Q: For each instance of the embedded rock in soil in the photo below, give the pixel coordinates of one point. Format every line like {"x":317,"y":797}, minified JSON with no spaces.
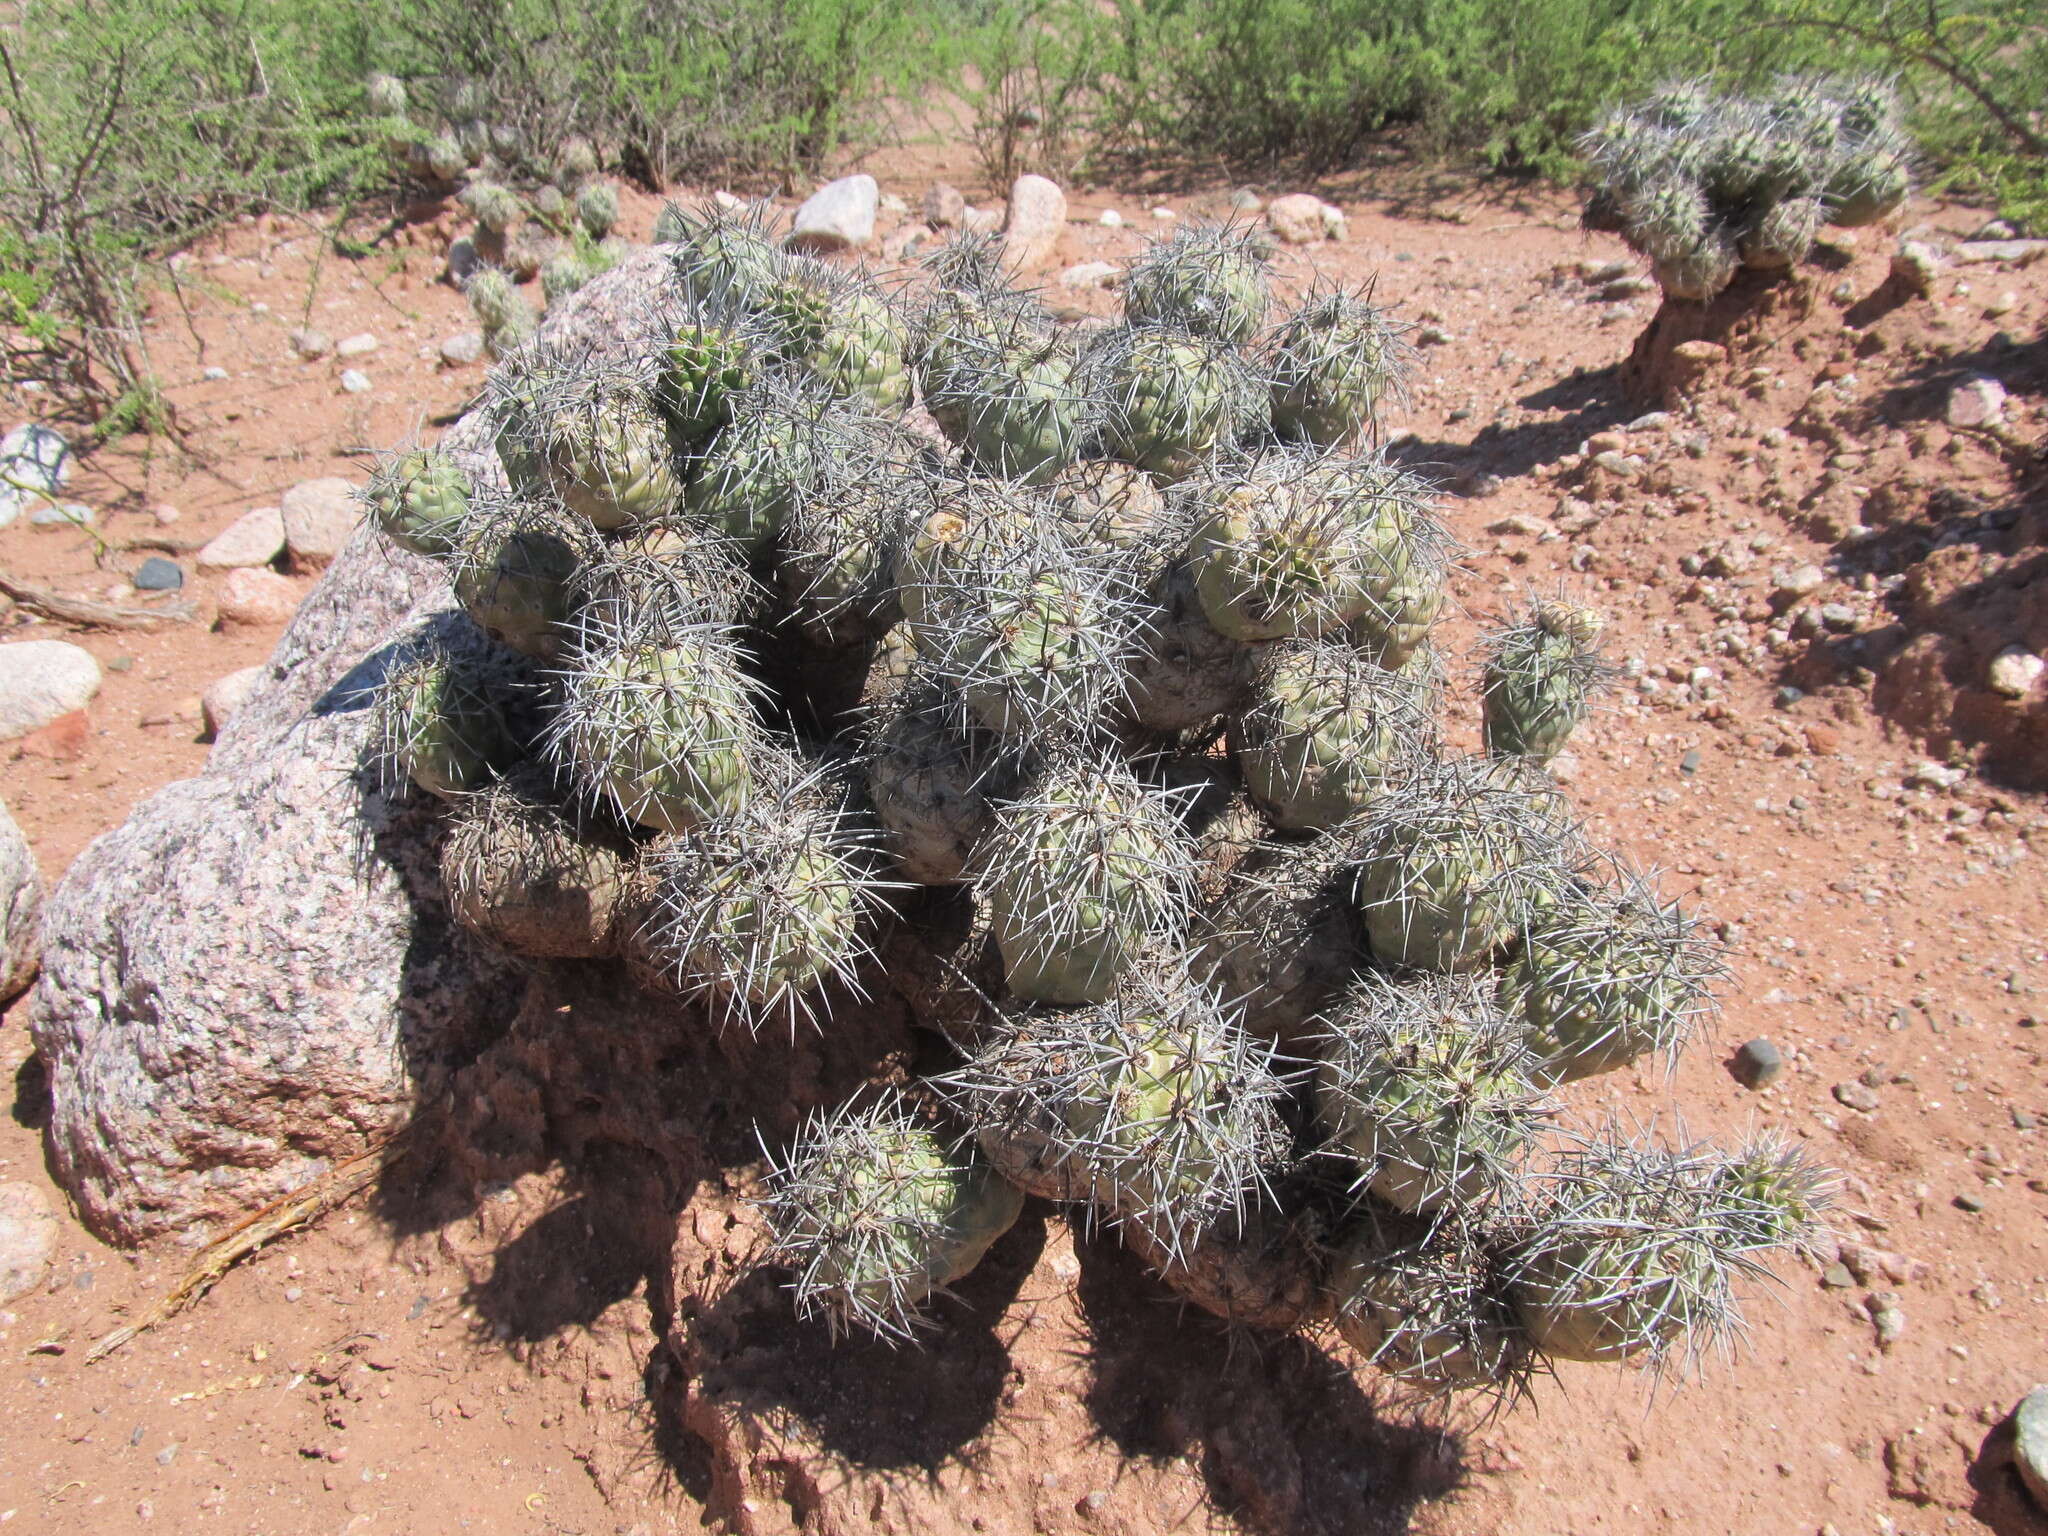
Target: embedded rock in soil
{"x":41,"y":681}
{"x":21,"y":907}
{"x":28,"y":1236}
{"x":1750,"y":314}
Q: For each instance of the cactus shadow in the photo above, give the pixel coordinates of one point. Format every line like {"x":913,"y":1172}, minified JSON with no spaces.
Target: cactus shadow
{"x":1576,"y":406}
{"x":886,"y":1410}
{"x":1284,"y":1436}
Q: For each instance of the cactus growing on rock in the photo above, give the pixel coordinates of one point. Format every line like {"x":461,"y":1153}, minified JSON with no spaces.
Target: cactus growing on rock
{"x":1132,"y":673}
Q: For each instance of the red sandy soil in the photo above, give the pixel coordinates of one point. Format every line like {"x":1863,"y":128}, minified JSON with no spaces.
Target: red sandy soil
{"x":1887,"y":927}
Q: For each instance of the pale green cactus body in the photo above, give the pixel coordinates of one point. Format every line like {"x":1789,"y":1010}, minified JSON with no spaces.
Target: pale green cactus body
{"x":751,"y":475}
{"x":1208,"y":281}
{"x":446,"y":717}
{"x":1333,"y":361}
{"x":1542,"y":675}
{"x":1167,"y":401}
{"x":612,"y":459}
{"x":661,"y":727}
{"x":1079,"y":874}
{"x":1329,"y":731}
{"x":876,"y":1211}
{"x":1428,"y":1086}
{"x":1607,"y":974}
{"x":513,"y":572}
{"x":420,"y":500}
{"x":532,"y":875}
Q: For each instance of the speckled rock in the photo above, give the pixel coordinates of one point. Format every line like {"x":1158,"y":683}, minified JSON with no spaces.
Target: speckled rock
{"x":21,"y":907}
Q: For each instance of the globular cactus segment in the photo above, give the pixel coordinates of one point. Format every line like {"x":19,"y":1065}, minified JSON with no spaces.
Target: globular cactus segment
{"x":722,"y":258}
{"x":561,"y":274}
{"x":419,"y":499}
{"x":711,"y":355}
{"x":1451,"y":865}
{"x":1429,"y":1087}
{"x":876,"y":1210}
{"x":1014,"y":404}
{"x":761,"y":910}
{"x":1152,"y":1105}
{"x":513,"y":570}
{"x":597,"y":209}
{"x":1633,"y":1250}
{"x":835,"y":559}
{"x":1081,"y":872}
{"x":1607,"y":974}
{"x":385,"y":95}
{"x":1422,"y":1301}
{"x":657,"y":722}
{"x":1332,"y":362}
{"x":1302,"y":545}
{"x":1769,"y":1194}
{"x":673,"y":577}
{"x":1167,"y":400}
{"x":608,"y":452}
{"x":936,"y":779}
{"x":1329,"y":732}
{"x":506,"y":318}
{"x":449,"y":714}
{"x":1541,"y":677}
{"x":532,"y":874}
{"x":1038,"y":643}
{"x":1209,"y":280}
{"x":494,"y":207}
{"x":840,"y":332}
{"x":751,"y":475}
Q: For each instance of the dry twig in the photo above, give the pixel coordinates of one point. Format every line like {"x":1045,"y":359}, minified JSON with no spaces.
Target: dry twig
{"x":80,"y":610}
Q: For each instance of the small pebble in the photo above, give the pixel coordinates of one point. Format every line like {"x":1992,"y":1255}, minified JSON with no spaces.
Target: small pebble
{"x":1856,"y":1096}
{"x":214,"y":374}
{"x":1690,"y":763}
{"x":1836,"y":1277}
{"x":1110,"y":219}
{"x":157,"y":574}
{"x":355,"y":382}
{"x":1968,"y":1202}
{"x":462,"y":349}
{"x":1758,"y":1064}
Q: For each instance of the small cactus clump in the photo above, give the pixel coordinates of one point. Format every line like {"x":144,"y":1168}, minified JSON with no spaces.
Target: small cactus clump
{"x":1541,"y":677}
{"x":1102,"y":730}
{"x":1704,"y":185}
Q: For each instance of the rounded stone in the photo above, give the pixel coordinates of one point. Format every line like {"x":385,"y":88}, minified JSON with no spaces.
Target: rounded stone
{"x":225,"y":696}
{"x":257,"y":597}
{"x":41,"y":680}
{"x":319,"y":516}
{"x":156,"y":574}
{"x":2030,"y":1443}
{"x":254,"y":538}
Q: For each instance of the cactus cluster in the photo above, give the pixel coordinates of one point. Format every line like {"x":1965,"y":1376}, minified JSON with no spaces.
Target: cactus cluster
{"x":1704,"y":184}
{"x":1093,"y":710}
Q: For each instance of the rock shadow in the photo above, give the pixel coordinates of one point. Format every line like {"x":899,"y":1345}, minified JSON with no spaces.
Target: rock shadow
{"x":1591,"y":400}
{"x":2002,"y":1503}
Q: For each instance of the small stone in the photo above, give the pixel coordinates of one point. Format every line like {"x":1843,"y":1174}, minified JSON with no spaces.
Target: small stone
{"x":1109,"y":218}
{"x":1433,"y":336}
{"x":156,"y":574}
{"x":1163,"y":213}
{"x":464,"y":260}
{"x":726,"y":202}
{"x":944,"y":206}
{"x":1297,"y":218}
{"x":1838,"y":616}
{"x":1836,"y":1277}
{"x":28,"y":1237}
{"x":2019,"y":253}
{"x":1966,"y":1201}
{"x":1928,"y":774}
{"x":1690,"y":762}
{"x":1090,"y":274}
{"x":318,"y":516}
{"x":42,"y":681}
{"x":225,"y":696}
{"x":1854,"y":1095}
{"x":2004,"y":304}
{"x":213,"y":374}
{"x":355,"y":382}
{"x":1598,"y":274}
{"x":2030,"y":1443}
{"x":463,"y":349}
{"x":1800,"y":581}
{"x":63,"y":514}
{"x":982,"y":221}
{"x":254,"y":538}
{"x":1996,"y":229}
{"x":1520,"y":523}
{"x":1758,"y":1064}
{"x":164,"y":514}
{"x":891,"y":203}
{"x":1886,"y":1316}
{"x":1915,"y":265}
{"x":1334,"y":225}
{"x":1978,"y":403}
{"x":1633,"y":286}
{"x":1823,"y":740}
{"x":1037,"y":215}
{"x":310,"y":344}
{"x":359,"y":345}
{"x":904,"y":240}
{"x":257,"y":597}
{"x":839,"y":216}
{"x":1244,"y":200}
